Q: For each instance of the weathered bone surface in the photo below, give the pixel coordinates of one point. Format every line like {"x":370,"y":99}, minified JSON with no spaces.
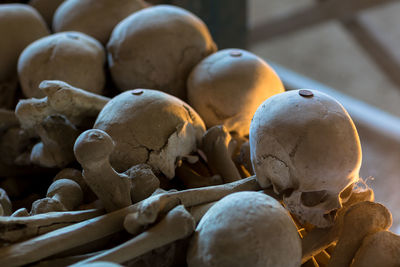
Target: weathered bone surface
{"x":22,"y":212}
{"x":245,"y":229}
{"x":73,"y":57}
{"x":227,"y":87}
{"x":16,"y":229}
{"x":177,"y":224}
{"x":305,"y":144}
{"x":137,"y":60}
{"x":20,"y":25}
{"x":57,"y":136}
{"x":62,"y":195}
{"x":143,"y":182}
{"x":244,"y":157}
{"x":92,"y":150}
{"x":76,"y":176}
{"x":360,"y":220}
{"x":5,"y":203}
{"x":192,"y":179}
{"x":76,"y":104}
{"x":319,"y":239}
{"x":218,"y":145}
{"x":379,"y":249}
{"x":94,"y":229}
{"x":150,"y":127}
{"x":96,"y":18}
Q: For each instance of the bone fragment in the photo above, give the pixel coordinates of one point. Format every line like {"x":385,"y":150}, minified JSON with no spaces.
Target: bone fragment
{"x":319,"y":239}
{"x":379,"y":249}
{"x":217,"y":144}
{"x":15,"y":229}
{"x":244,"y":157}
{"x":198,"y":211}
{"x":177,"y":224}
{"x":57,"y":136}
{"x":360,"y":220}
{"x":94,"y":229}
{"x":72,"y":101}
{"x":5,"y":203}
{"x":143,"y":182}
{"x":75,"y":104}
{"x":62,"y":195}
{"x":76,"y":176}
{"x":192,"y":179}
{"x":22,"y":212}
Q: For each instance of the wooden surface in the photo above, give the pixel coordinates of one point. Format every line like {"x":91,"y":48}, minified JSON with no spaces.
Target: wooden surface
{"x":380,"y":140}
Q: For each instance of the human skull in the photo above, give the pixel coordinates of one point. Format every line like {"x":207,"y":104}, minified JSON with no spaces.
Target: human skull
{"x":305,"y":144}
{"x":227,"y":87}
{"x":245,"y":229}
{"x":152,"y":127}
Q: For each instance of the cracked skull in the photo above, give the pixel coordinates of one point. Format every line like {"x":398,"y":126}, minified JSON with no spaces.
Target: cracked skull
{"x":305,"y":145}
{"x":152,"y":127}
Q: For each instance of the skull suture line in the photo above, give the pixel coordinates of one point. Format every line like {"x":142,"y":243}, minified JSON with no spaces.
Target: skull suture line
{"x":306,"y":146}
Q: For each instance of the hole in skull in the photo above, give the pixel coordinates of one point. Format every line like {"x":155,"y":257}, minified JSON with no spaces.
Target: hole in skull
{"x":311,"y":199}
{"x":287,"y":192}
{"x":330,"y":216}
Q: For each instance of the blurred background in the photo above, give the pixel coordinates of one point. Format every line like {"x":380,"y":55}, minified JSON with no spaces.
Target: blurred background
{"x":329,"y":52}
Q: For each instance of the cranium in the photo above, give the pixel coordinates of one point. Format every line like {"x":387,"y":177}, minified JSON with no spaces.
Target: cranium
{"x":305,"y":144}
{"x":152,"y":127}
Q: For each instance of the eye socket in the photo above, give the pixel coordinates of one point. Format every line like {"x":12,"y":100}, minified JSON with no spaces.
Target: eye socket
{"x":311,"y":199}
{"x":346,"y":193}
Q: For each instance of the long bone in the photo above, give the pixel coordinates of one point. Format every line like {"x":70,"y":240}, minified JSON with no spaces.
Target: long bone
{"x":216,"y":144}
{"x":360,"y":220}
{"x":92,"y":150}
{"x":15,"y":229}
{"x":379,"y":249}
{"x":62,"y":98}
{"x":57,"y":136}
{"x":82,"y":233}
{"x":177,"y":224}
{"x":319,"y":239}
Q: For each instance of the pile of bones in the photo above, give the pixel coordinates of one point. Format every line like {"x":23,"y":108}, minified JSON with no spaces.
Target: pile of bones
{"x":127,"y":138}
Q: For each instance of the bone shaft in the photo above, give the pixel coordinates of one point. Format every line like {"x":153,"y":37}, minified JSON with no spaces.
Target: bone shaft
{"x":198,"y":211}
{"x":63,"y":239}
{"x":316,"y":241}
{"x":344,"y":252}
{"x":197,"y":196}
{"x":224,"y":166}
{"x":114,"y":183}
{"x":174,"y":226}
{"x":39,"y":224}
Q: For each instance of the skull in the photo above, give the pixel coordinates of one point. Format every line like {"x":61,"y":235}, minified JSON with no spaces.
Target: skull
{"x":152,"y":127}
{"x":305,"y":145}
